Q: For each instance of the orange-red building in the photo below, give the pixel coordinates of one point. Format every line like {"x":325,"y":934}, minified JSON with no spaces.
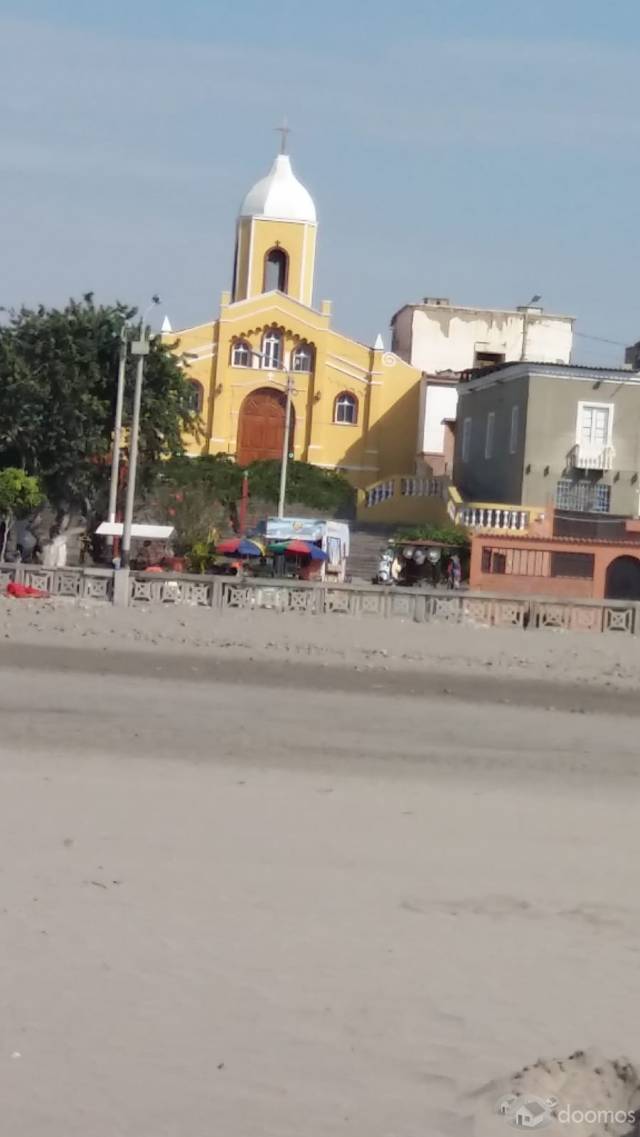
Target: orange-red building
{"x":548,"y":562}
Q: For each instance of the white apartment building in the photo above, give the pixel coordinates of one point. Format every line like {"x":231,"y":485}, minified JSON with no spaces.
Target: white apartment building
{"x":444,"y":339}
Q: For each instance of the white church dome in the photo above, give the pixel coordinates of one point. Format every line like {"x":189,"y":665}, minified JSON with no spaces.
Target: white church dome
{"x":280,"y":196}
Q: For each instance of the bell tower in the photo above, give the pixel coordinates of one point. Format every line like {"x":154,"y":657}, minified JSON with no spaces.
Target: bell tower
{"x":276,"y":235}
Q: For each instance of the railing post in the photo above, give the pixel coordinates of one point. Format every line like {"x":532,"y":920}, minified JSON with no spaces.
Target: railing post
{"x":121,"y":588}
{"x":420,"y":609}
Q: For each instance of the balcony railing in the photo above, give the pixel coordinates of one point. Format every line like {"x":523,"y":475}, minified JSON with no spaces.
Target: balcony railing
{"x":583,"y":457}
{"x":405,"y":487}
{"x":382,"y":491}
{"x":492,"y":518}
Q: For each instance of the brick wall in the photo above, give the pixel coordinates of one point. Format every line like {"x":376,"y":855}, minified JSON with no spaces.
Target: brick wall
{"x":507,"y":583}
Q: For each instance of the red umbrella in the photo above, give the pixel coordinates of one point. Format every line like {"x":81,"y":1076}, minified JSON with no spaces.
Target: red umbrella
{"x":241,"y":547}
{"x":302,"y":548}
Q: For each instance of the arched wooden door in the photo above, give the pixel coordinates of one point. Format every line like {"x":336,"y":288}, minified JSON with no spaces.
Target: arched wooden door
{"x":623,"y":579}
{"x":261,"y":426}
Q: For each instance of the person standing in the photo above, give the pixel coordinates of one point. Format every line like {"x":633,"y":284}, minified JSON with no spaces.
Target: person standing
{"x":456,"y":571}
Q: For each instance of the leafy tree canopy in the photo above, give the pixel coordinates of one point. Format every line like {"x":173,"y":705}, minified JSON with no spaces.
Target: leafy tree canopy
{"x":20,"y":493}
{"x":306,"y":484}
{"x":58,"y":371}
{"x":444,"y":534}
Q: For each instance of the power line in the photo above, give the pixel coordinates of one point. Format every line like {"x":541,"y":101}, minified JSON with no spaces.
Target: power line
{"x":600,"y":339}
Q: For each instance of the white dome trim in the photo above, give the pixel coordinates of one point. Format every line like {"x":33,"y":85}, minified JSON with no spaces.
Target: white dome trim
{"x":280,"y":196}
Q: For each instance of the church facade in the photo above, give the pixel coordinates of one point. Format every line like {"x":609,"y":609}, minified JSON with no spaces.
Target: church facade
{"x":354,"y":408}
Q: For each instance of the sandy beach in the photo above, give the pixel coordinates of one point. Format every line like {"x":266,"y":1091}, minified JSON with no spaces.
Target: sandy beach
{"x":266,"y":875}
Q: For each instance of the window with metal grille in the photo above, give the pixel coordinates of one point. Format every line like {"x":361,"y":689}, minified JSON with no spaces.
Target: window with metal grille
{"x":573,"y":564}
{"x":583,"y":495}
{"x":493,"y":560}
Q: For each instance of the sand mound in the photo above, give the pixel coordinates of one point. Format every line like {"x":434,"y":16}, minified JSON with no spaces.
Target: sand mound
{"x":584,"y":1095}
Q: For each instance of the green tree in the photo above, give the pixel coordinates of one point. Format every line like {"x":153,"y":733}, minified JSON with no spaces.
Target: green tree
{"x":57,"y":397}
{"x":430,"y":531}
{"x":210,"y":488}
{"x":306,"y":485}
{"x":196,"y":495}
{"x":19,"y":495}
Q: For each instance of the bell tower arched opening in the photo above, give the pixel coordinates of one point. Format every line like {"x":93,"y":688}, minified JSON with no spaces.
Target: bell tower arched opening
{"x":276,"y":271}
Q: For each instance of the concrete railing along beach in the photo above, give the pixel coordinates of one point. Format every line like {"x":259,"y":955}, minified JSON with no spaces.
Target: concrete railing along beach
{"x":417,"y":605}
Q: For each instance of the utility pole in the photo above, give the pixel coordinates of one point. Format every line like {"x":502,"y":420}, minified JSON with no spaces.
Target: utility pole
{"x":285,"y":445}
{"x":141,"y":349}
{"x":117,"y":430}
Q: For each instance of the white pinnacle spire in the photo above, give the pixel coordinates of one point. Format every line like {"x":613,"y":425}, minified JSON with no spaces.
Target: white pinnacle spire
{"x":166,"y":325}
{"x":379,"y":344}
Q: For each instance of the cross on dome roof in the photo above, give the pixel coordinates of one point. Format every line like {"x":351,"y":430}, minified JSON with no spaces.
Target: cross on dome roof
{"x":285,"y":131}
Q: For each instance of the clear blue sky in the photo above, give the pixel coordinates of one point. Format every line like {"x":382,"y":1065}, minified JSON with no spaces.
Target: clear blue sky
{"x":481,"y":151}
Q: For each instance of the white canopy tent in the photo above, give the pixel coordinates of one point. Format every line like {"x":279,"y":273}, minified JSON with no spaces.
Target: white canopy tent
{"x":147,"y":532}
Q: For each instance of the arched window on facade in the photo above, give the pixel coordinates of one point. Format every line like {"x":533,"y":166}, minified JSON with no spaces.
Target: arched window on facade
{"x":303,"y":358}
{"x":345,"y":409}
{"x":241,"y":354}
{"x":276,"y":271}
{"x":272,"y":349}
{"x":196,"y":396}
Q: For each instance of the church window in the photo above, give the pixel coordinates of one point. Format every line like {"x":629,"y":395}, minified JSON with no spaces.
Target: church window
{"x":303,"y":358}
{"x":276,"y":271}
{"x":241,"y":354}
{"x":346,"y":409}
{"x":196,"y":396}
{"x":272,"y":349}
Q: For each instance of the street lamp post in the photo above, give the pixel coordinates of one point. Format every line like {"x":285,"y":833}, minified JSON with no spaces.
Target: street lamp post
{"x":285,"y":443}
{"x":140,"y":348}
{"x":117,"y":429}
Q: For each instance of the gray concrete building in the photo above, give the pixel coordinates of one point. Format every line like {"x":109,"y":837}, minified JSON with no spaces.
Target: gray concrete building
{"x":533,"y":433}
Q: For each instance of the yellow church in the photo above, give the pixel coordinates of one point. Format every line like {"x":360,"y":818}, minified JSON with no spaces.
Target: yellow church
{"x":354,"y":407}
